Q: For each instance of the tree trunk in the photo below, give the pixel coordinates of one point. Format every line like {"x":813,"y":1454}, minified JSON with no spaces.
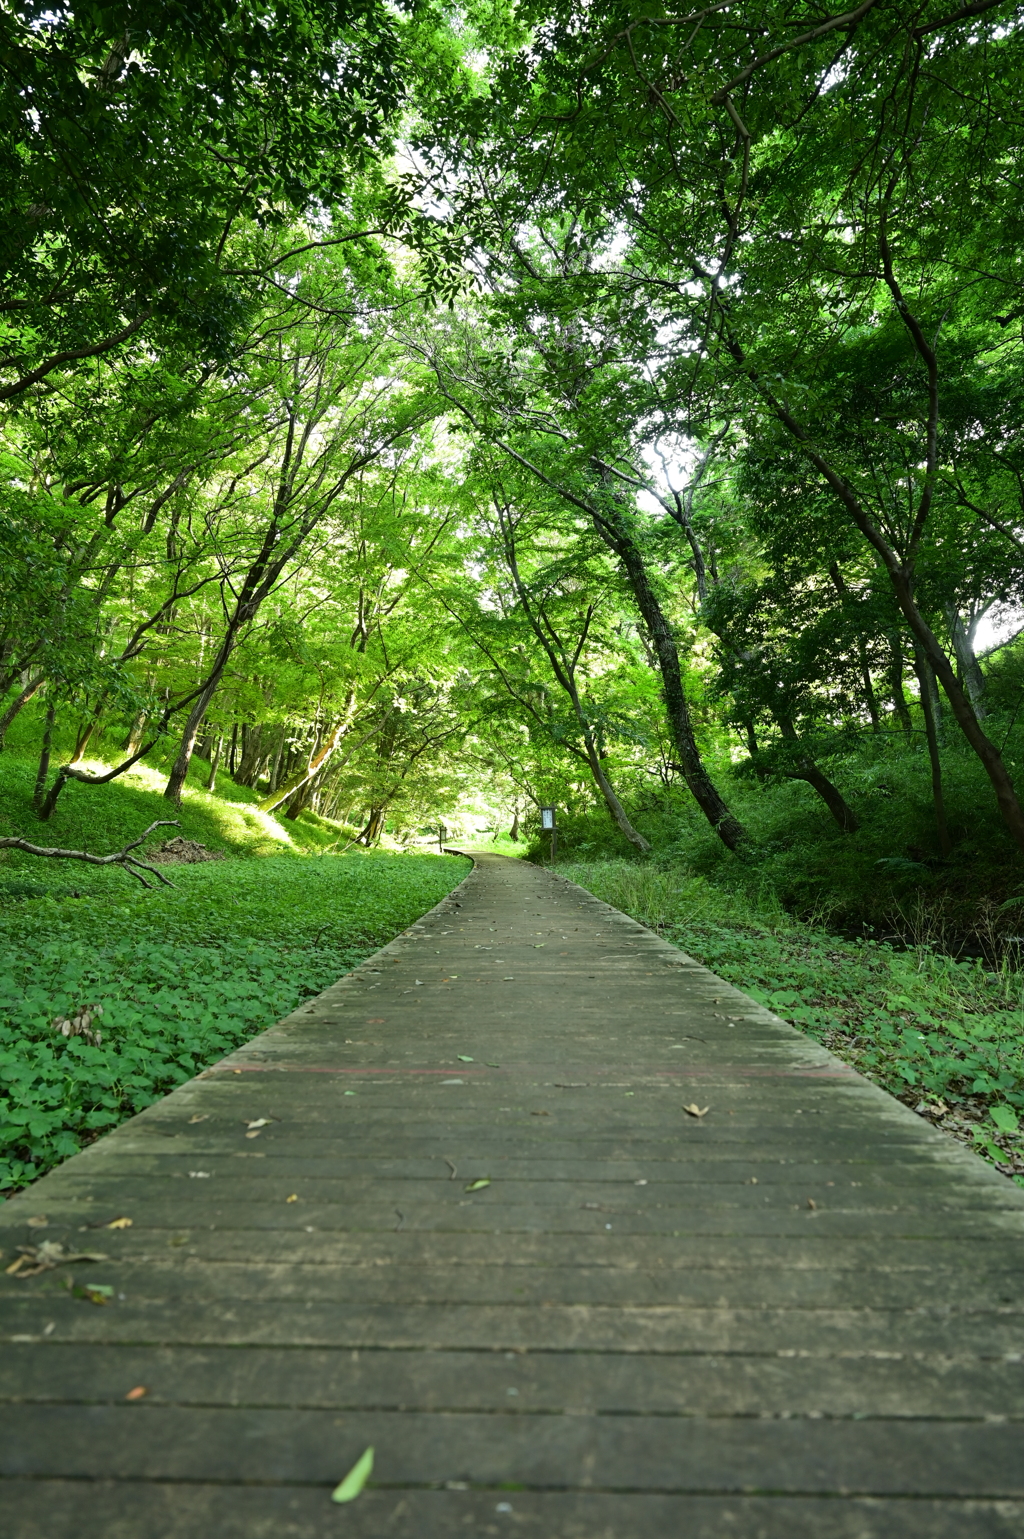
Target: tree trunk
{"x":806,"y":770}
{"x":211,"y":782}
{"x":925,"y":679}
{"x":612,"y":529}
{"x":234,"y":745}
{"x":970,"y":669}
{"x":513,"y":832}
{"x":374,"y":827}
{"x":135,"y":731}
{"x":83,"y":738}
{"x":251,"y":737}
{"x":42,"y":773}
{"x":179,"y":769}
{"x":275,"y":768}
{"x":899,"y":699}
{"x":615,"y":807}
{"x":754,"y":752}
{"x":30,"y":689}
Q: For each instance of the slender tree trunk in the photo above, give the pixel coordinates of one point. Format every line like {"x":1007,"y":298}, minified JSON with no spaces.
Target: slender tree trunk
{"x":42,"y":773}
{"x":926,"y":678}
{"x":30,"y":689}
{"x":251,"y":738}
{"x":869,"y":688}
{"x":234,"y":745}
{"x":617,"y":537}
{"x":970,"y":668}
{"x":179,"y":769}
{"x":754,"y":752}
{"x":84,"y":736}
{"x":211,"y":782}
{"x":134,"y":738}
{"x":513,"y":832}
{"x":275,"y":768}
{"x":806,"y":770}
{"x":374,"y":828}
{"x":899,"y":699}
{"x":611,"y":801}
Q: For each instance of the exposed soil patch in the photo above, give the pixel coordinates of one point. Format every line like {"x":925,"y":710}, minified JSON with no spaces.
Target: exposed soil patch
{"x":179,"y":851}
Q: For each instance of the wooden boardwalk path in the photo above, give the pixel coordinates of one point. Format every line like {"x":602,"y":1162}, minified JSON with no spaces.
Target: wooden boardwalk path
{"x":797,"y":1315}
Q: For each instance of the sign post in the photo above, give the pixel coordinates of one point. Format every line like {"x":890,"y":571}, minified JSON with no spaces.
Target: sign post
{"x":547,"y":820}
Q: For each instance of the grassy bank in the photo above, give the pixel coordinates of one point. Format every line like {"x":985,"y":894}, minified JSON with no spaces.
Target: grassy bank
{"x":945,"y":1036}
{"x":181,"y":975}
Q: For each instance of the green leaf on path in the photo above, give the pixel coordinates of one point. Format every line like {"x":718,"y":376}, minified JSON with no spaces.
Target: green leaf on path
{"x":355,"y":1480}
{"x":476,"y":1186}
{"x":463,"y":1059}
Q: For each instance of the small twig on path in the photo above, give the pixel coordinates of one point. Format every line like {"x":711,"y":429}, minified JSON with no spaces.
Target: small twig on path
{"x":451,"y":1167}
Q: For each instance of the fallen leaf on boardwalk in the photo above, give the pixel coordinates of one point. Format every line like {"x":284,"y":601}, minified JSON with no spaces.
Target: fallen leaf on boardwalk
{"x":261,"y":1122}
{"x":200,"y":1117}
{"x":463,"y":1059}
{"x":96,"y":1293}
{"x":540,"y":1114}
{"x":811,"y":1202}
{"x":494,"y":1065}
{"x":119,"y":1223}
{"x":43,"y":1258}
{"x":137,"y":1393}
{"x":293,"y":1198}
{"x":355,"y":1480}
{"x":695,"y":1110}
{"x":476,"y":1186}
{"x":254,"y":1134}
{"x":39,"y":1221}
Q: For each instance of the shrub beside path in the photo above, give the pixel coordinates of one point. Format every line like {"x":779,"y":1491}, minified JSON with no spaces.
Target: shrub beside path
{"x":584,"y":1243}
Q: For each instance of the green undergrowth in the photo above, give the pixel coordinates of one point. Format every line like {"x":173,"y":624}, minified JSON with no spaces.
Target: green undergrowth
{"x":106,"y":818}
{"x":945,"y":1036}
{"x":182,"y":977}
{"x":888,"y":878}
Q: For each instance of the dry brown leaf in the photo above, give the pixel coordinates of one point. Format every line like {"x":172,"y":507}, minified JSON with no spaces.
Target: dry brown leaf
{"x":45,"y":1257}
{"x":137,"y":1393}
{"x":695,"y":1110}
{"x":200,"y":1117}
{"x":38,"y":1221}
{"x":811,"y":1202}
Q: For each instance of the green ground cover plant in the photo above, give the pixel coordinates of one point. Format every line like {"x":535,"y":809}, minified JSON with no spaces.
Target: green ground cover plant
{"x":945,"y":1036}
{"x":182,"y":976}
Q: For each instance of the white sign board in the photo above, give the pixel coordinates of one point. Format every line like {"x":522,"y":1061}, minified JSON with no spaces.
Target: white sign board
{"x":547,"y":817}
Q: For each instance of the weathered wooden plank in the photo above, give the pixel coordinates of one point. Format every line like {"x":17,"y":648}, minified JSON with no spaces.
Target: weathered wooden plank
{"x":98,"y":1510}
{"x":691,"y":1455}
{"x":510,"y":1327}
{"x":642,"y":1383}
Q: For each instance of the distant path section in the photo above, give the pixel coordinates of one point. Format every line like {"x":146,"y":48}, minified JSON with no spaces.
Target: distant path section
{"x":585,"y":1244}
